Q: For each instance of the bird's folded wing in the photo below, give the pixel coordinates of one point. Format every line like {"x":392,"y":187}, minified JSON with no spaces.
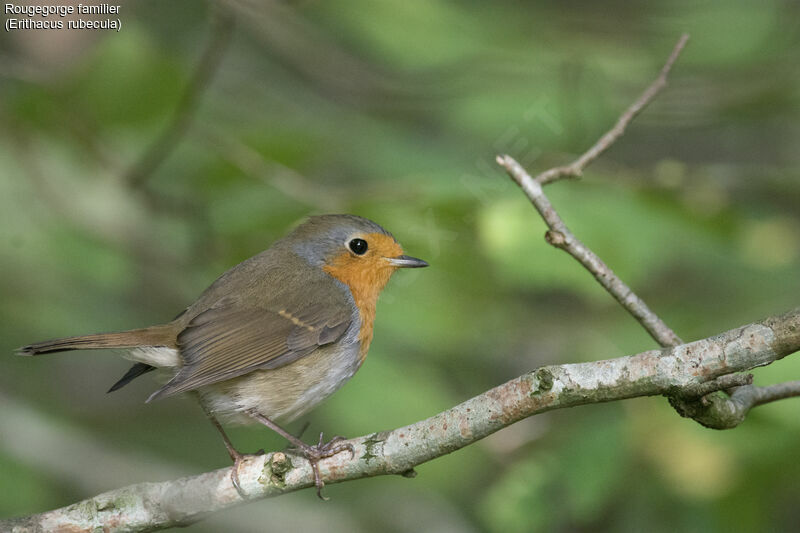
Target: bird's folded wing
{"x":229,"y":341}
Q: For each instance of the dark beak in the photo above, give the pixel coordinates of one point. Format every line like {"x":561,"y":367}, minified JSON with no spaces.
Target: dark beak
{"x":406,"y":261}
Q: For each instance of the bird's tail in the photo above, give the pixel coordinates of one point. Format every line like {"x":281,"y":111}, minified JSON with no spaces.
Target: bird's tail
{"x":152,"y":336}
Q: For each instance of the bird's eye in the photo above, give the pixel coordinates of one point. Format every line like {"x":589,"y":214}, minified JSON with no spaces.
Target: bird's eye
{"x":358,"y":246}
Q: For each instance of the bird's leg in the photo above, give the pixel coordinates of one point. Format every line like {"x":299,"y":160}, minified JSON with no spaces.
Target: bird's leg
{"x":312,"y":453}
{"x":236,"y":456}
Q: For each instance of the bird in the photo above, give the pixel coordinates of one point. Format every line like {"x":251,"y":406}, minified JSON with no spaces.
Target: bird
{"x":273,"y":336}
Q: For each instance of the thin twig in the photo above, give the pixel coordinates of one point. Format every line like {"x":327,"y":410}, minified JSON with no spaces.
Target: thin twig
{"x":561,"y":237}
{"x":719,"y":412}
{"x":152,"y":506}
{"x":711,"y":410}
{"x":221,"y":31}
{"x":576,"y":168}
{"x":721,"y":383}
{"x":771,"y":393}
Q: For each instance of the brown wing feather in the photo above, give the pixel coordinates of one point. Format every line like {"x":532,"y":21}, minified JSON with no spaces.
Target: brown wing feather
{"x":225,"y":342}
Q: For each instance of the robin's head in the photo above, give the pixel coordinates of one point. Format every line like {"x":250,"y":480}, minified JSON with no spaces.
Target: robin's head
{"x":352,"y":249}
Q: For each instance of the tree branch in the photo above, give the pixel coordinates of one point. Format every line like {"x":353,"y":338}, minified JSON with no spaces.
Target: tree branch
{"x":575,"y":169}
{"x":699,"y":403}
{"x":561,"y":237}
{"x":153,"y":506}
{"x":716,"y":411}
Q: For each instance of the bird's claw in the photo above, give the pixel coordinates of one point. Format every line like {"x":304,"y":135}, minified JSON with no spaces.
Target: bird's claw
{"x":237,"y":462}
{"x":235,"y":476}
{"x":333,"y":446}
{"x":322,"y":450}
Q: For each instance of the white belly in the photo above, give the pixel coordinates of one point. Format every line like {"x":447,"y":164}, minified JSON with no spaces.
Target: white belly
{"x":285,"y":393}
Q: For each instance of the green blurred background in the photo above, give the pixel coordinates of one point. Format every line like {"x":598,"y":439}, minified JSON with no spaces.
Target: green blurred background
{"x":395,"y":110}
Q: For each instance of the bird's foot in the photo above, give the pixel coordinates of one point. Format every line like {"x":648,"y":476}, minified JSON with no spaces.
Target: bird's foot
{"x":237,"y":462}
{"x":322,"y":450}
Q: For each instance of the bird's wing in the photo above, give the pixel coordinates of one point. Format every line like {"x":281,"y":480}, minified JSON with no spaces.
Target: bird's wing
{"x":227,"y":341}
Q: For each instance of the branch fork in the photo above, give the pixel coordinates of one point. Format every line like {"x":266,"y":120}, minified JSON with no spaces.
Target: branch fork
{"x":699,"y":402}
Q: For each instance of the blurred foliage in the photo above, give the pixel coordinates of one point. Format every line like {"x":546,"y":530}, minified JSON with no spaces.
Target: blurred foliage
{"x":395,"y":111}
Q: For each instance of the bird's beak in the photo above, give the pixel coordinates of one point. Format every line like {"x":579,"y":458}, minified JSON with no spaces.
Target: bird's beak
{"x":406,"y":261}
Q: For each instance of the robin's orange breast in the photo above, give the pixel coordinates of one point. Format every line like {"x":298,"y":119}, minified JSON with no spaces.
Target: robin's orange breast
{"x":366,"y":277}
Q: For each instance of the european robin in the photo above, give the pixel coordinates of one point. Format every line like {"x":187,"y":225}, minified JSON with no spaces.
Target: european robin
{"x":273,"y":336}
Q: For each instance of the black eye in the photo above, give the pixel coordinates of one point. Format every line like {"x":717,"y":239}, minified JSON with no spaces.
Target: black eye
{"x":359,"y":246}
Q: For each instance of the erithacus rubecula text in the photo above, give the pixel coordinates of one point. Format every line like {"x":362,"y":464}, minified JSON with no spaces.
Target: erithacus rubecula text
{"x":273,"y":336}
